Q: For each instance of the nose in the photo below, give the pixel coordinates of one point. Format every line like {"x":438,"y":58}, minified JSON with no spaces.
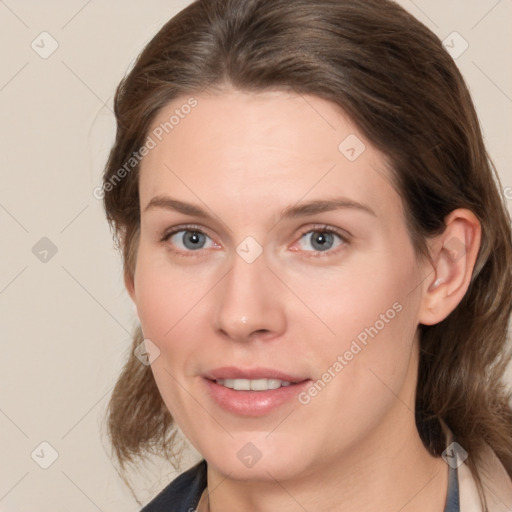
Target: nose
{"x":249,"y":302}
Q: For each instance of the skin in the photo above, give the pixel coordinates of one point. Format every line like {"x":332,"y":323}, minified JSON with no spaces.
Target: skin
{"x":245,"y":158}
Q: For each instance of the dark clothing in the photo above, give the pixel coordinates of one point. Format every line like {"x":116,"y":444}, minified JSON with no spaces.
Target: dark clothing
{"x":184,"y":492}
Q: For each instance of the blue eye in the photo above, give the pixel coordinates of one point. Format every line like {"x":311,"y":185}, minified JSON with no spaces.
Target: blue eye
{"x":321,"y":240}
{"x":190,"y":240}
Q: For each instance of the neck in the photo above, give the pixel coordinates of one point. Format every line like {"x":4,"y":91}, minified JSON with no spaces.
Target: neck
{"x":398,"y":475}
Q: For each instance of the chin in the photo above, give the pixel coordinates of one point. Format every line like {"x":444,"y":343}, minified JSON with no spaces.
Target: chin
{"x":255,"y":456}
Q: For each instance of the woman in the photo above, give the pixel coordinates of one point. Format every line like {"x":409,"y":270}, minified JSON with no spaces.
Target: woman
{"x":320,"y":258}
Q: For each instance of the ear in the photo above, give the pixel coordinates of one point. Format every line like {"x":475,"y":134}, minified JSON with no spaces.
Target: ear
{"x":453,"y":254}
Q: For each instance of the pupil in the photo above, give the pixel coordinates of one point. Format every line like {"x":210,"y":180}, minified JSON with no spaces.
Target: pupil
{"x":193,"y":240}
{"x":322,"y":241}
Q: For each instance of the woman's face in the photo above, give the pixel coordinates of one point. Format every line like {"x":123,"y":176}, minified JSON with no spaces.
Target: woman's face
{"x":273,"y":246}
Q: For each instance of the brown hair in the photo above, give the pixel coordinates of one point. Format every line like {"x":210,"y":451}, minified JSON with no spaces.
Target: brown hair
{"x":395,"y":80}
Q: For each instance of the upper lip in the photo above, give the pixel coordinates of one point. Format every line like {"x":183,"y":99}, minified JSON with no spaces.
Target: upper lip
{"x":232,"y":372}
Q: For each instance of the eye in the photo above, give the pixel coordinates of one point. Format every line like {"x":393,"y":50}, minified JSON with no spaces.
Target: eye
{"x":189,"y":239}
{"x":322,"y":239}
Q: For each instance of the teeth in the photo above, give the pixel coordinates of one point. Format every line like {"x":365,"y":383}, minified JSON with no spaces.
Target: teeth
{"x":252,"y":384}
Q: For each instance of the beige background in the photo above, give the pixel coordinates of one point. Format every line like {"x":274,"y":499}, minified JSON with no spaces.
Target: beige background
{"x":66,"y":322}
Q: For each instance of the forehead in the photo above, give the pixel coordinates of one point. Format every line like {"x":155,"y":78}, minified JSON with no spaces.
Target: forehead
{"x":275,"y":145}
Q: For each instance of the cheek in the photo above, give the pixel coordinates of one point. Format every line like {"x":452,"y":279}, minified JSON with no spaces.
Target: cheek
{"x":167,"y":300}
{"x":365,"y":366}
{"x":366,"y":296}
{"x":166,"y":295}
{"x":378,"y":355}
{"x":155,"y":306}
{"x":372,"y":315}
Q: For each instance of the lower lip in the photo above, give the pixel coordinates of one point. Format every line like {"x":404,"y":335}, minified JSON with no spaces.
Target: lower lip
{"x":253,"y":403}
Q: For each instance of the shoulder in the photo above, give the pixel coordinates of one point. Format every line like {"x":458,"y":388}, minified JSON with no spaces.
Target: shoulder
{"x":496,"y":483}
{"x":182,"y":494}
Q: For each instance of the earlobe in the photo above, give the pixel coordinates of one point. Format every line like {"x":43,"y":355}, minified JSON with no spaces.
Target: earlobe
{"x":453,"y":256}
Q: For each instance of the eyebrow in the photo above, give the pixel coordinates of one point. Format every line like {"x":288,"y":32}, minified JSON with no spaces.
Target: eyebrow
{"x":294,"y":211}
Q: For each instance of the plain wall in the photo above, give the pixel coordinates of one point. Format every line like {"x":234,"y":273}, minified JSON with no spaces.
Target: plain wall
{"x":66,"y":321}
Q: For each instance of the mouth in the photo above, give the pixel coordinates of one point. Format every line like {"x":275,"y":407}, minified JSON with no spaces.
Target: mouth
{"x":252,"y":392}
{"x":253,"y":384}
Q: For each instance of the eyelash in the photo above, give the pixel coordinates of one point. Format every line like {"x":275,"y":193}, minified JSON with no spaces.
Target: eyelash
{"x":177,"y":229}
{"x":322,"y":228}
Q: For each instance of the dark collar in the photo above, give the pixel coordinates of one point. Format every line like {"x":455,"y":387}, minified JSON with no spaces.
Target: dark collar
{"x":452,"y":498}
{"x":184,"y":492}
